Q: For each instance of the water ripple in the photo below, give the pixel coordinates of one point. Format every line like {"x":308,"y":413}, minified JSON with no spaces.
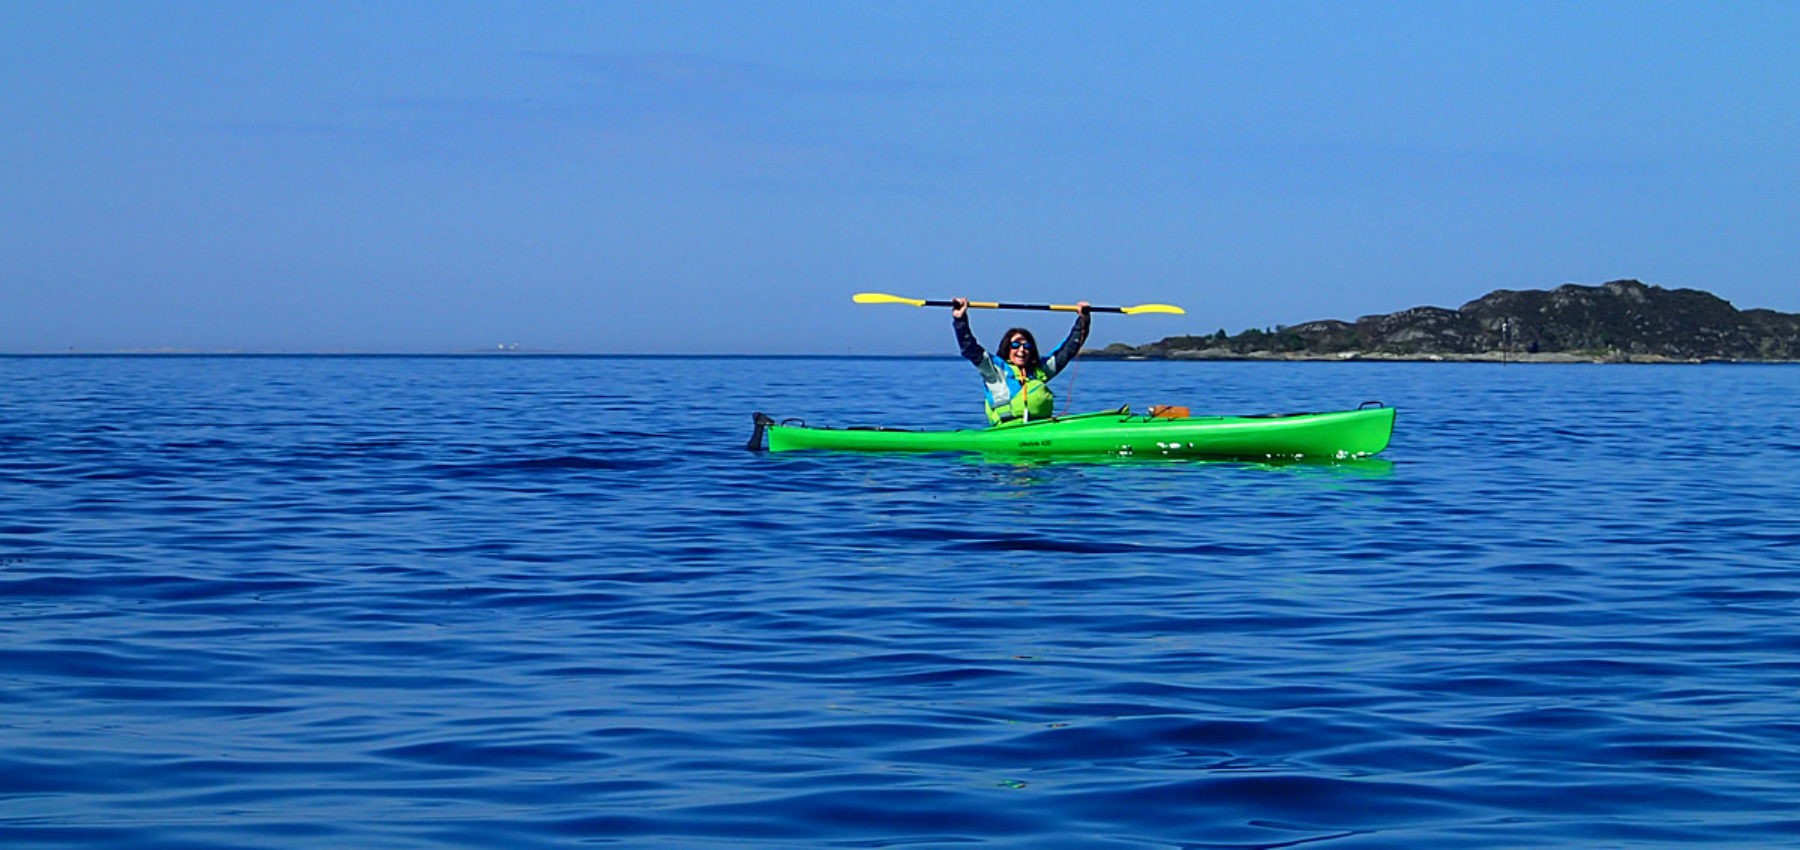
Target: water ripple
{"x":326,"y":602}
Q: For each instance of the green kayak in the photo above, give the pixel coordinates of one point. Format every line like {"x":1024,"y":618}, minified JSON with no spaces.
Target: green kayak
{"x":1343,"y":434}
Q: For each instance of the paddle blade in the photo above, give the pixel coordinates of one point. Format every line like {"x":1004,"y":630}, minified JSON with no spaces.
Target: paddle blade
{"x":882,"y":298}
{"x":1153,"y":308}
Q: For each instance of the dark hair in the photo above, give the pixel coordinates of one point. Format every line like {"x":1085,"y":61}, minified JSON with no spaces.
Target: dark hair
{"x":1031,"y":362}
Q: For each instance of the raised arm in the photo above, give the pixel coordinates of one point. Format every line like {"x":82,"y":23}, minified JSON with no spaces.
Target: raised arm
{"x":1071,"y":346}
{"x":965,"y":338}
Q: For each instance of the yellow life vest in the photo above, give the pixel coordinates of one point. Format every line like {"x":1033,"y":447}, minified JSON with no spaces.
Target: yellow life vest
{"x":1030,"y":397}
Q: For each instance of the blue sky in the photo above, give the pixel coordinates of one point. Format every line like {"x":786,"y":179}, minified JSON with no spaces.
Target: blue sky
{"x":721,"y":177}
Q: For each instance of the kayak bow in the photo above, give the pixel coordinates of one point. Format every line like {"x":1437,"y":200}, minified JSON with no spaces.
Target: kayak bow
{"x":1337,"y":435}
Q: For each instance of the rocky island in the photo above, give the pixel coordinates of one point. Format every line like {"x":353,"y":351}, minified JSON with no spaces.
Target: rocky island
{"x":1624,"y":321}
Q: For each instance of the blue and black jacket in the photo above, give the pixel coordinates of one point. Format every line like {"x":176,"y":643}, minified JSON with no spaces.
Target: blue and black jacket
{"x":1013,"y":393}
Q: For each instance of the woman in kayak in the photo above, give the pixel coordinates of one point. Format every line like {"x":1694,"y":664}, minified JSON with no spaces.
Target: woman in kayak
{"x":1017,"y":379}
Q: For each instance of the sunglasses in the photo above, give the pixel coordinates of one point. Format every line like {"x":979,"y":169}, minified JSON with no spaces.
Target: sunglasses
{"x":1019,"y":343}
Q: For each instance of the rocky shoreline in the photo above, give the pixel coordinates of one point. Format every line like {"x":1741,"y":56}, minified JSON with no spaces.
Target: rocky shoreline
{"x":1390,"y":357}
{"x":1623,"y":321}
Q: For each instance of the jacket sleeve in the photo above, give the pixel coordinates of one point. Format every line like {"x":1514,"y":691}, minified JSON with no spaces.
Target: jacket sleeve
{"x":965,"y":340}
{"x":1070,"y":348}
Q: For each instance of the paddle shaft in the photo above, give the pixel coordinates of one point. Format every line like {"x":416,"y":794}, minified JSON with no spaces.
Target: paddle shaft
{"x":884,"y":298}
{"x":1002,"y":305}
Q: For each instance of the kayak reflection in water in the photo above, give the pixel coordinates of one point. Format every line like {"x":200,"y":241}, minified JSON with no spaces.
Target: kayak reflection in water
{"x":1017,"y":379}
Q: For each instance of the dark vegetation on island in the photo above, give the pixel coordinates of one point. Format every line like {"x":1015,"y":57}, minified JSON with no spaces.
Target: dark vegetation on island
{"x":1621,"y":321}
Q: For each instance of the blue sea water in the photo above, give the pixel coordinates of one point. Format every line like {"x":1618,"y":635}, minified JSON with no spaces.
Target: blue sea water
{"x":552,"y":602}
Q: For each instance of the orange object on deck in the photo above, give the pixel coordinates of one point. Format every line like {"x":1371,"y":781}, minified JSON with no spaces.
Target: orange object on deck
{"x":1168,"y":411}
